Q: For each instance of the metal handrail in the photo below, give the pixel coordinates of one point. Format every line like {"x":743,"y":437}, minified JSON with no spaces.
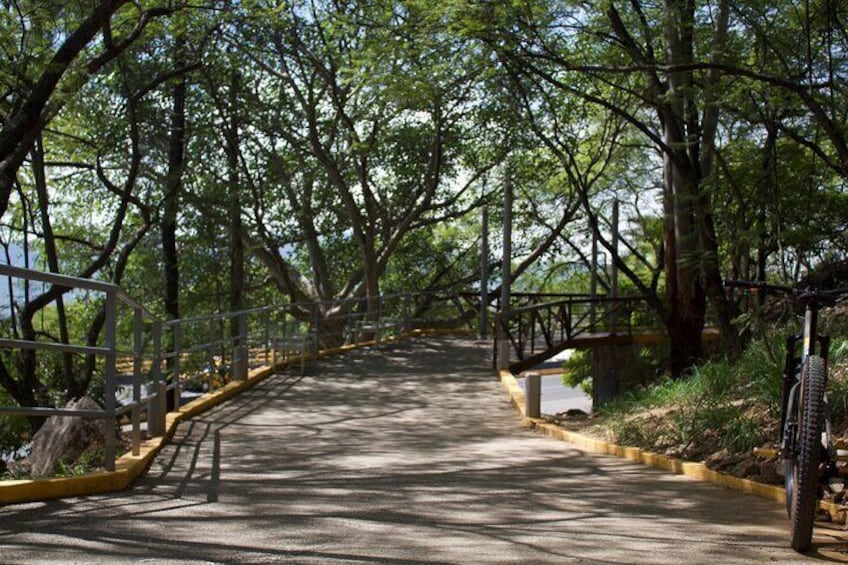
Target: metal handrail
{"x":6,"y":343}
{"x":220,"y":316}
{"x":154,"y":403}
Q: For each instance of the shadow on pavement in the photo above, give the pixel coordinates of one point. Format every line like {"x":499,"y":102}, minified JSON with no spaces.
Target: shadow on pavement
{"x":407,"y":453}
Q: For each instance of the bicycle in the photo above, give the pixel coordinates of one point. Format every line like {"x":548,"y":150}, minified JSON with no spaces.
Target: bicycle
{"x":806,"y":442}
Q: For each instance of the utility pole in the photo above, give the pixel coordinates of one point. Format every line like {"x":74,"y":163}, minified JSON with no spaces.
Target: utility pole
{"x":615,"y":238}
{"x":593,"y":283}
{"x":484,"y":273}
{"x":506,"y":271}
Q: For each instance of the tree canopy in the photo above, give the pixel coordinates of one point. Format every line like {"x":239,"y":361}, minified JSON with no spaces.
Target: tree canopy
{"x":217,"y":154}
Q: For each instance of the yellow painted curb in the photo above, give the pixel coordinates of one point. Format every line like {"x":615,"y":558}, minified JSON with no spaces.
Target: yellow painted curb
{"x":697,"y":471}
{"x":128,"y":467}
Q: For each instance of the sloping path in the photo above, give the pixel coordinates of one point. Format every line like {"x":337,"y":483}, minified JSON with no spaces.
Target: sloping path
{"x":409,"y":453}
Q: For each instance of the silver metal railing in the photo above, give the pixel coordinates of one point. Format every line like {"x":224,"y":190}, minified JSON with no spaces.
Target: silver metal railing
{"x":163,"y":358}
{"x":109,"y":351}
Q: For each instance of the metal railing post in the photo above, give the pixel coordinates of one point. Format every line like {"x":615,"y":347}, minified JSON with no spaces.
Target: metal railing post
{"x":244,"y":339}
{"x":157,"y":409}
{"x":266,"y":337}
{"x":210,"y":353}
{"x":174,"y":381}
{"x":156,"y":403}
{"x":110,"y":343}
{"x":138,"y":352}
{"x":316,"y":324}
{"x":240,"y":361}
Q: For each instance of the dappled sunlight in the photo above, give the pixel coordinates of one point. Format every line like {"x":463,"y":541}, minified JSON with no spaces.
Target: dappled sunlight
{"x":405,"y":453}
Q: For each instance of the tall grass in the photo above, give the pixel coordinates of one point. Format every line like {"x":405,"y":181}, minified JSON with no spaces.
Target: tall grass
{"x":718,"y":405}
{"x":838,"y":382}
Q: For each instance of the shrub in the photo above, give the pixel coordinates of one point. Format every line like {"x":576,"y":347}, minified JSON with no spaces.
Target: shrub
{"x":577,"y":370}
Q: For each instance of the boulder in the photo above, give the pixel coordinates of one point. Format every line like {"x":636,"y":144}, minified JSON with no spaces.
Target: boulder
{"x":64,"y":438}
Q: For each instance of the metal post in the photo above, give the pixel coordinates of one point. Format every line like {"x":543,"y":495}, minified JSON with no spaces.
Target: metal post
{"x":593,"y":284}
{"x":614,"y":268}
{"x":240,"y":361}
{"x":244,"y":341}
{"x":484,"y":273}
{"x":211,"y":338}
{"x":157,"y":409}
{"x":138,"y":342}
{"x":156,"y":405}
{"x":266,"y":322}
{"x":533,"y":395}
{"x":615,"y":238}
{"x":173,"y":395}
{"x":110,"y":374}
{"x":317,"y":314}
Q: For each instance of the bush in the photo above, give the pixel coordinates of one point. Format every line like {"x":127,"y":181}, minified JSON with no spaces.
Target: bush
{"x":718,"y":404}
{"x":577,"y":370}
{"x":14,"y":430}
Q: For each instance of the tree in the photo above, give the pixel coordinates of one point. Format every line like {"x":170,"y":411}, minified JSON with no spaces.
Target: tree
{"x":88,"y":169}
{"x":361,"y":136}
{"x":23,"y":382}
{"x":43,"y":61}
{"x":624,"y":61}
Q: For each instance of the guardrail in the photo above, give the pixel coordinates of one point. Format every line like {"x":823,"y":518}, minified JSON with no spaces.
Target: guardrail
{"x":114,"y":296}
{"x":545,"y":328}
{"x":165,"y":358}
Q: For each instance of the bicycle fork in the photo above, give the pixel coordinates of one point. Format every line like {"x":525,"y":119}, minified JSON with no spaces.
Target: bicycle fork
{"x":788,"y":409}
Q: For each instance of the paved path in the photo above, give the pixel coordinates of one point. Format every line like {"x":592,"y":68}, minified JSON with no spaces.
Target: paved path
{"x":405,"y":454}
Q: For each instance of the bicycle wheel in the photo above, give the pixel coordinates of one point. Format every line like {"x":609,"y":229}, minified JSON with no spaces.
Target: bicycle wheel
{"x":805,"y":463}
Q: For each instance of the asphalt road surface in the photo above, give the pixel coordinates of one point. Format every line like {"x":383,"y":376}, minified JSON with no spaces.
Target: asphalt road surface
{"x":409,"y":453}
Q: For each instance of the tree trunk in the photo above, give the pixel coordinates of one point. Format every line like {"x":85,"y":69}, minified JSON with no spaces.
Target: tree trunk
{"x":686,"y":298}
{"x":171,"y":205}
{"x":71,"y":390}
{"x":237,"y":274}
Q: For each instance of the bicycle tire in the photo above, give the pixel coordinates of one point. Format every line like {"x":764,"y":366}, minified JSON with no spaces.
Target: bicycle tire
{"x":805,"y":464}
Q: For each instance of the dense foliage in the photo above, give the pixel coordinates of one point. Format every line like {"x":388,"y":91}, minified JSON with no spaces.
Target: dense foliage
{"x":219,"y":154}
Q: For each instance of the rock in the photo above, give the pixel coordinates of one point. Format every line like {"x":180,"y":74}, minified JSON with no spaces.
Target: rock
{"x":690,"y":453}
{"x":749,"y":468}
{"x":717,"y":459}
{"x":771,"y":472}
{"x":64,"y":438}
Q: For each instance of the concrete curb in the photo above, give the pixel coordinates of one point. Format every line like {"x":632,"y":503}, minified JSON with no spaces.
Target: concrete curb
{"x":128,"y":467}
{"x":697,"y":471}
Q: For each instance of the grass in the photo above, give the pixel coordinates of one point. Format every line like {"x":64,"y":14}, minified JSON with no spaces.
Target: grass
{"x":718,"y":406}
